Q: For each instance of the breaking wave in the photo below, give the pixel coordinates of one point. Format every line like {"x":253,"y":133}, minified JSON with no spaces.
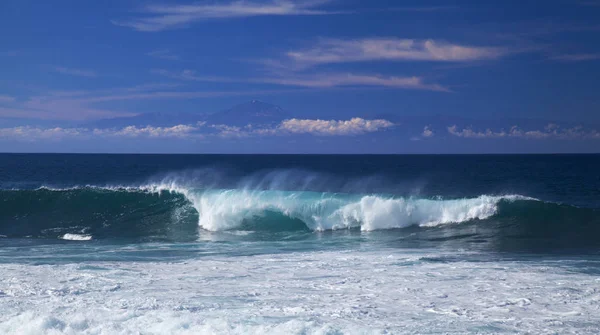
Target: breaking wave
{"x":169,"y":211}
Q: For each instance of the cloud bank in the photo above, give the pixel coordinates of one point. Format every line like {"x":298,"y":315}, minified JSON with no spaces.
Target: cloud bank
{"x":354,"y":126}
{"x":551,"y":131}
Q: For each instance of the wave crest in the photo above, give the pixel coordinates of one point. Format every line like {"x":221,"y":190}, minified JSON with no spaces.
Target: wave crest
{"x":169,"y":210}
{"x":229,"y":209}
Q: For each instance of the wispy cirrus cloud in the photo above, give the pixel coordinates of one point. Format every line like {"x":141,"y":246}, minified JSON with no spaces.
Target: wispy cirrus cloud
{"x":75,"y":72}
{"x":165,"y":54}
{"x":576,"y":57}
{"x":318,"y":80}
{"x":419,"y":9}
{"x":162,"y":17}
{"x":79,"y":105}
{"x":349,"y":79}
{"x":589,"y":3}
{"x":551,"y":131}
{"x":6,"y":98}
{"x":331,"y":51}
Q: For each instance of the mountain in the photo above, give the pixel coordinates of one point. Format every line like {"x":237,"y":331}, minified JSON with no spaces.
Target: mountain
{"x":148,"y":119}
{"x":252,"y":112}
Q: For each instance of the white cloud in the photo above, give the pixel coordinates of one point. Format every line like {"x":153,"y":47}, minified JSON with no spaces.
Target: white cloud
{"x":6,"y":98}
{"x":354,"y":126}
{"x":37,"y":133}
{"x":75,"y":72}
{"x":329,"y":51}
{"x":227,"y":131}
{"x":349,"y":79}
{"x":27,"y":133}
{"x":163,"y":17}
{"x":163,"y":54}
{"x":550,"y":131}
{"x":427,"y":132}
{"x":470,"y":133}
{"x":149,"y":131}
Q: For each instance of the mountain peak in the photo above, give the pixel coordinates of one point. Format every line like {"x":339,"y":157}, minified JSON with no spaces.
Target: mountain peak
{"x":254,"y":111}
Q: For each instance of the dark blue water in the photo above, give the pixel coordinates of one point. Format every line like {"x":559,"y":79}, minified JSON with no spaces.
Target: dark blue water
{"x":572,"y":179}
{"x":205,"y":204}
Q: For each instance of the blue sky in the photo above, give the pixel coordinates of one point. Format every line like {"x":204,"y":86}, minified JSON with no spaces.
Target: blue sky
{"x":467,"y":75}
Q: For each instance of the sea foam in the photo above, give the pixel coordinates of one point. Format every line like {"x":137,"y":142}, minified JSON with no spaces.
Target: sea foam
{"x":228,"y":209}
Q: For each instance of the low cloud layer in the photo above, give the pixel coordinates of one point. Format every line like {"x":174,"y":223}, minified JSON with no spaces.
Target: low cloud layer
{"x":27,"y":133}
{"x":354,"y":126}
{"x":180,"y":131}
{"x":330,"y":51}
{"x":550,"y":131}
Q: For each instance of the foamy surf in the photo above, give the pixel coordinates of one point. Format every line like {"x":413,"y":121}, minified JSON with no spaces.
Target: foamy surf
{"x":229,"y":209}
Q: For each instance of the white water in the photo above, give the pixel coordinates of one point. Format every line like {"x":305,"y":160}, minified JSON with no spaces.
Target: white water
{"x":333,"y":292}
{"x":227,"y":209}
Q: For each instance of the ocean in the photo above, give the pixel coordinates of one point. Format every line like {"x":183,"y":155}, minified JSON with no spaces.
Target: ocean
{"x":299,"y":244}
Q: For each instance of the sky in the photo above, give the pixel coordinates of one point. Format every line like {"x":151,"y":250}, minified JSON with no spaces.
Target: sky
{"x":353,"y":76}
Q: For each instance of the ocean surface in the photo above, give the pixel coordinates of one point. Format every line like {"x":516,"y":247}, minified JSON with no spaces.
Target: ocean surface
{"x":299,"y":244}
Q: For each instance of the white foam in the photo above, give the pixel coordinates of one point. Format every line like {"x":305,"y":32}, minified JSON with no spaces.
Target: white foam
{"x":325,"y":292}
{"x":227,"y":209}
{"x":76,"y":237}
{"x":375,"y":213}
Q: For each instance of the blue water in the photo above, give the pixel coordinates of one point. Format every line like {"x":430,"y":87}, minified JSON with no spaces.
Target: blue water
{"x":475,"y":218}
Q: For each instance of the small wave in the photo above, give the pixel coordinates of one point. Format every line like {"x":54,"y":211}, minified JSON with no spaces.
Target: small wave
{"x":76,"y":237}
